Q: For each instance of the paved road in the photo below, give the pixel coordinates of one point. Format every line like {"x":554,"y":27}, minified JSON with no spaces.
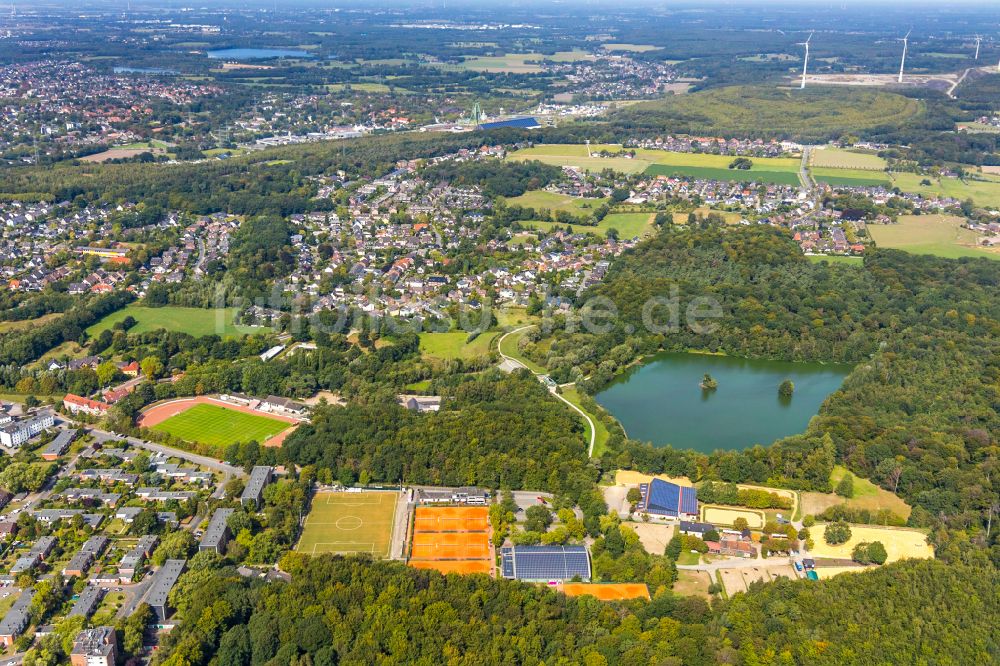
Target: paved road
{"x":545,"y":379}
{"x":133,"y":596}
{"x":804,"y":178}
{"x":205,"y":461}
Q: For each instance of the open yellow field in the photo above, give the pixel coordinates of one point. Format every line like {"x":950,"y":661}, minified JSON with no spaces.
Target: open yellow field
{"x":693,"y":584}
{"x":899,"y":543}
{"x":719,"y":515}
{"x":739,"y":579}
{"x":627,"y":477}
{"x":830,"y":572}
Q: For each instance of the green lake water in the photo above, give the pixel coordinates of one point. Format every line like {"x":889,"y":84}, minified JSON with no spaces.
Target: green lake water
{"x":661,"y":401}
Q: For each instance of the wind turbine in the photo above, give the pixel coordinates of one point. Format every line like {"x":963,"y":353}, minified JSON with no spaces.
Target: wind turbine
{"x":902,"y":62}
{"x":805,"y":63}
{"x":978,"y":40}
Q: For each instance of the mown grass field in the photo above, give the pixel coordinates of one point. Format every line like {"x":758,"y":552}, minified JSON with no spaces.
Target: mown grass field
{"x":217,"y":426}
{"x":940,"y":235}
{"x":454,"y":345}
{"x":983,"y":192}
{"x":838,"y":158}
{"x":629,"y":225}
{"x":866,"y":496}
{"x":349,"y":523}
{"x":850,"y":177}
{"x":539,"y":199}
{"x":194,"y":321}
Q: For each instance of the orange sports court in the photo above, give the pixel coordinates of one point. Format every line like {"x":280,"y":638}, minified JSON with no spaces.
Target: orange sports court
{"x":451,"y":539}
{"x":607,"y":591}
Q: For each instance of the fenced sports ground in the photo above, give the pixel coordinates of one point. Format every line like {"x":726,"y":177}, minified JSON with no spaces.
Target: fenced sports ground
{"x":348,"y":523}
{"x":451,"y":539}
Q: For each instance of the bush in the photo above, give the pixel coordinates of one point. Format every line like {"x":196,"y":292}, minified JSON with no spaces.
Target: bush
{"x":837,"y":533}
{"x":870,"y":553}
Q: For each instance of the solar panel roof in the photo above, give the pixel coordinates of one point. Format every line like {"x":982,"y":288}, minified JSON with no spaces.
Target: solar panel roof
{"x":545,"y":562}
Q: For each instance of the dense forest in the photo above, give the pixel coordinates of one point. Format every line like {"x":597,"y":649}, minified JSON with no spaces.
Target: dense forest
{"x":354,"y":611}
{"x":496,"y":430}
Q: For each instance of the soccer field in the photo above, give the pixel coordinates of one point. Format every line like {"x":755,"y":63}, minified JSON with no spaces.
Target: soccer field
{"x":346,"y":523}
{"x":218,"y":426}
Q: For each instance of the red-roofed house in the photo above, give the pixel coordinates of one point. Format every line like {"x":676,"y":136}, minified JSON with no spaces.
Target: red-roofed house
{"x":77,"y":404}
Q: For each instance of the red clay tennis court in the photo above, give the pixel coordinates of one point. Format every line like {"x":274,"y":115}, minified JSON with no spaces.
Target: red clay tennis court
{"x":451,"y":519}
{"x":456,"y":566}
{"x":451,"y":539}
{"x":607,"y":591}
{"x":450,"y":546}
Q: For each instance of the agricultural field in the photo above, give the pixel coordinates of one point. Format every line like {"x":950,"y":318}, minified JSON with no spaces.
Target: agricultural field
{"x":838,"y":158}
{"x":662,"y":162}
{"x":850,"y":177}
{"x":866,"y":496}
{"x":781,"y":170}
{"x":350,"y":523}
{"x":220,"y":426}
{"x":553,"y":201}
{"x":985,"y":192}
{"x":632,"y":48}
{"x":940,"y":235}
{"x":518,"y":63}
{"x":899,"y":542}
{"x":194,"y":321}
{"x":726,"y":515}
{"x":454,"y":345}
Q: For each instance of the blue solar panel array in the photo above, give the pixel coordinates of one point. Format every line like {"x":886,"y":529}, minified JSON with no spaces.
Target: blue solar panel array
{"x":668,"y":499}
{"x":545,"y":562}
{"x":519,"y":123}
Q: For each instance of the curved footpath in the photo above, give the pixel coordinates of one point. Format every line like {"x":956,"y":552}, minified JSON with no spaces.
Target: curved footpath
{"x":553,"y":389}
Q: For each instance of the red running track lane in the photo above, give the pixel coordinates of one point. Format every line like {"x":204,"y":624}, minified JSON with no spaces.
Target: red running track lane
{"x":157,"y":414}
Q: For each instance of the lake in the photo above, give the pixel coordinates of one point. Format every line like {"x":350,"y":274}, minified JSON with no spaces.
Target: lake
{"x":661,"y":401}
{"x":256,"y":54}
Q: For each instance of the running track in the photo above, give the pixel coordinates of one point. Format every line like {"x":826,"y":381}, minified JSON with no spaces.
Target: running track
{"x":159,"y":413}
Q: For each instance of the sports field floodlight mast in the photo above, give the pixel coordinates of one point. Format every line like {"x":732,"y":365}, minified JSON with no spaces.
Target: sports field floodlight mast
{"x":902,"y":62}
{"x":805,"y":63}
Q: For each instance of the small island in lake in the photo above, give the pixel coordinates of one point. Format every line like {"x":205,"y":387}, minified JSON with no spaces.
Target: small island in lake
{"x":786,"y":388}
{"x":708,"y":383}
